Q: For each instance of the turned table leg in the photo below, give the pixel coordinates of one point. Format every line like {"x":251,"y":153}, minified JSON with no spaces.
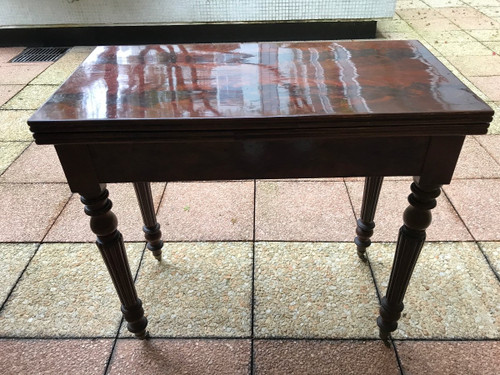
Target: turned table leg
{"x":103,"y":223}
{"x":417,"y":217}
{"x":365,"y":223}
{"x":151,"y":227}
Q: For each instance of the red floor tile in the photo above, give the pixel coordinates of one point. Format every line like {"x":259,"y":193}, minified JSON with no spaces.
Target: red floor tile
{"x":303,"y":211}
{"x":8,"y":91}
{"x":73,"y":224}
{"x":324,"y":357}
{"x":446,"y":225}
{"x":177,"y":357}
{"x":449,"y":357}
{"x":20,"y":73}
{"x":478,"y":204}
{"x":36,"y":164}
{"x":207,"y":211}
{"x":54,"y":356}
{"x":28,"y":210}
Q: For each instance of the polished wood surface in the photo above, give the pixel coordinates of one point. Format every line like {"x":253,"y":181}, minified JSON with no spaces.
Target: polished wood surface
{"x":322,"y":86}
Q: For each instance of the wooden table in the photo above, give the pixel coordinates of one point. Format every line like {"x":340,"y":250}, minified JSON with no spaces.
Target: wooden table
{"x":255,"y":111}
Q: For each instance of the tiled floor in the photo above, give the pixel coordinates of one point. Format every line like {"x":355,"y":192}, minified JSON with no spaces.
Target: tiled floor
{"x":257,"y":275}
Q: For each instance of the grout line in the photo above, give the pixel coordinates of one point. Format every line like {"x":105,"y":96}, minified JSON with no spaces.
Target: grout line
{"x":34,"y":253}
{"x":488,"y":261}
{"x":56,"y":218}
{"x":374,"y":280}
{"x":485,"y":149}
{"x":474,"y":238}
{"x":115,"y":340}
{"x":17,"y":157}
{"x":271,"y":338}
{"x":252,"y":307}
{"x":19,"y":277}
{"x":398,"y":358}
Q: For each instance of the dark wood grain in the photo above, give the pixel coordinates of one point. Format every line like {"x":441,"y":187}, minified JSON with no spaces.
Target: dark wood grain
{"x":365,"y":223}
{"x":103,"y":223}
{"x":151,"y":228}
{"x":417,"y":217}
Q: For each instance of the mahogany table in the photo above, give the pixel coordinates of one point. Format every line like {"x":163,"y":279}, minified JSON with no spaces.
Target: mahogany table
{"x":256,"y":111}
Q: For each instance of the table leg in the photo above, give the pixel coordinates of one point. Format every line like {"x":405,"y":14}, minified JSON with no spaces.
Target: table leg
{"x":365,"y":223}
{"x":151,"y":227}
{"x":103,"y":223}
{"x":417,"y":217}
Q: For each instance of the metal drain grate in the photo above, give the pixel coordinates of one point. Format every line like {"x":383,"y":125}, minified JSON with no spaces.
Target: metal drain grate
{"x":40,"y":54}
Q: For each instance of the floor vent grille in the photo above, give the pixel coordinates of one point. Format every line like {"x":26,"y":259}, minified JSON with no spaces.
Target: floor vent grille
{"x":40,"y":54}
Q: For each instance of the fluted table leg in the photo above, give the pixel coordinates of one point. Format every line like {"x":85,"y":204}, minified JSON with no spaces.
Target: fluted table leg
{"x":103,"y":223}
{"x":365,"y":223}
{"x":151,"y":227}
{"x":417,"y":218}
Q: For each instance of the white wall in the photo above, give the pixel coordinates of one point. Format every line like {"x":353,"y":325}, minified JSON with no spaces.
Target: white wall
{"x":126,"y":12}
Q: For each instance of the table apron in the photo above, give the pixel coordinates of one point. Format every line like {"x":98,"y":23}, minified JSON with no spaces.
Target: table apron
{"x":249,"y":159}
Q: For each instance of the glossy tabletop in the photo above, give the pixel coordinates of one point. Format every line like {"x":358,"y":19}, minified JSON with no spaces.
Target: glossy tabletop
{"x":375,"y":82}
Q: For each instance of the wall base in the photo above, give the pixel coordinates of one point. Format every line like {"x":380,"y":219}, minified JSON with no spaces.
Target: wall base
{"x":197,"y":33}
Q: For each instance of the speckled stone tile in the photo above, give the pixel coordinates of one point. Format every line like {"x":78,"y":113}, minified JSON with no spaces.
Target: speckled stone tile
{"x":310,"y":357}
{"x":13,"y":126}
{"x":490,"y":11}
{"x":453,"y":292}
{"x":198,"y":289}
{"x":419,"y":14}
{"x":85,"y":357}
{"x":8,"y":53}
{"x":478,"y":204}
{"x":181,"y":357}
{"x":492,"y":251}
{"x":494,"y":127}
{"x":492,"y":145}
{"x":469,"y":18}
{"x":65,"y":291}
{"x":463,"y":49}
{"x":313,"y":290}
{"x":446,"y":224}
{"x":31,"y":97}
{"x":411,"y":4}
{"x":397,"y":36}
{"x":478,"y":66}
{"x":38,"y":163}
{"x":485,"y":35}
{"x":449,"y":357}
{"x":453,"y":36}
{"x":14,"y":257}
{"x":8,"y":91}
{"x":20,"y":73}
{"x":489,"y":85}
{"x":475,"y":162}
{"x":59,"y":71}
{"x":10,"y":151}
{"x":434,"y":24}
{"x":493,"y":46}
{"x":73,"y":225}
{"x":395,"y":26}
{"x":82,"y":49}
{"x":206,"y":211}
{"x":303,"y":211}
{"x":444,"y":3}
{"x":28,"y":210}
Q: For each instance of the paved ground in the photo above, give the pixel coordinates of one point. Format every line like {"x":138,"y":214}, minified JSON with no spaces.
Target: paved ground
{"x":257,"y":275}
